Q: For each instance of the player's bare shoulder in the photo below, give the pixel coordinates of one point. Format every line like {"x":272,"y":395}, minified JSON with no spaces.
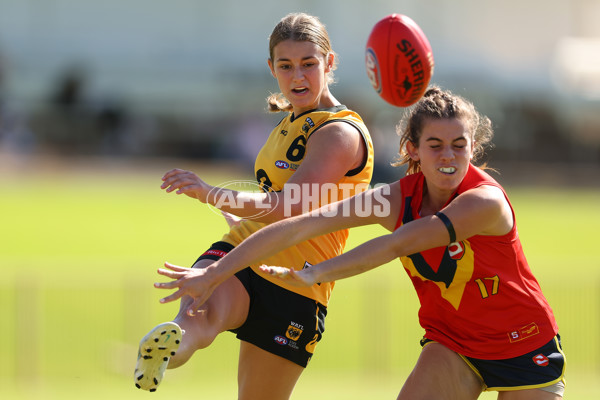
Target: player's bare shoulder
{"x":341,"y":138}
{"x":490,"y":201}
{"x":341,"y":130}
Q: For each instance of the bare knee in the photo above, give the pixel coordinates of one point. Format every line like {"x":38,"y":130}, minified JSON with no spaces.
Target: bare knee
{"x":202,"y":331}
{"x":226,"y":309}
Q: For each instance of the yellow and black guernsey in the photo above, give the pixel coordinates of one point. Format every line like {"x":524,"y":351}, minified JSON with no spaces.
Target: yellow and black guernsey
{"x":277,"y":161}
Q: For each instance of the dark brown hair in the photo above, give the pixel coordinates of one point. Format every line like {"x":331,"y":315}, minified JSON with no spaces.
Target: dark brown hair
{"x":441,"y":104}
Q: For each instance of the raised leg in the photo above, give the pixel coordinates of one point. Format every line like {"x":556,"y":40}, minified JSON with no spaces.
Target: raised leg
{"x":227,"y":308}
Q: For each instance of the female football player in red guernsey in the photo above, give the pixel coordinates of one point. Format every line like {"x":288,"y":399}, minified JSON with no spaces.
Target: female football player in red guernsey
{"x":487,"y":324}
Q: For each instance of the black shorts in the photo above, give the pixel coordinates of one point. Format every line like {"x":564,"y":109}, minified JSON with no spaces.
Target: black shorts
{"x":537,"y":369}
{"x":281,"y":322}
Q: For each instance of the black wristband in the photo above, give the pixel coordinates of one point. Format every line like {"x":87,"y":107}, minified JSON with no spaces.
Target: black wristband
{"x":448,"y":224}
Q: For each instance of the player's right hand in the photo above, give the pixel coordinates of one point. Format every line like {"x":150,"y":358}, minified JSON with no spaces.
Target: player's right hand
{"x":185,"y":182}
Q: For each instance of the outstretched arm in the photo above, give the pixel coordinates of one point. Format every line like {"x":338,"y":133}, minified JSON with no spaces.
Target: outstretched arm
{"x":415,"y":236}
{"x":200,"y":283}
{"x":481,"y":211}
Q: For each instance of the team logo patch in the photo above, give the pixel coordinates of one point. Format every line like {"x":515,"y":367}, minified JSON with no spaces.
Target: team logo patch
{"x":293,"y":332}
{"x":282,"y":164}
{"x":456,"y":250}
{"x":307,"y":125}
{"x":280,"y":340}
{"x":541,"y":360}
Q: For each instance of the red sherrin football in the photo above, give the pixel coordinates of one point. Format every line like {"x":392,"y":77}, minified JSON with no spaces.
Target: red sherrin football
{"x":399,"y":60}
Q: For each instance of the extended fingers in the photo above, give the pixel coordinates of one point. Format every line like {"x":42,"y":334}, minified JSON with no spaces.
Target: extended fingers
{"x":172,"y":297}
{"x":167,"y":285}
{"x":280,"y":272}
{"x":177,"y":268}
{"x":170,"y":177}
{"x":173,"y":172}
{"x":170,"y":273}
{"x":174,"y":272}
{"x":176,"y":178}
{"x":178,"y":183}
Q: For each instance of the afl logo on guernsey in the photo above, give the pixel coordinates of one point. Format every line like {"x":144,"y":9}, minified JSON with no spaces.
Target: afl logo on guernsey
{"x":456,"y":250}
{"x":282,"y":164}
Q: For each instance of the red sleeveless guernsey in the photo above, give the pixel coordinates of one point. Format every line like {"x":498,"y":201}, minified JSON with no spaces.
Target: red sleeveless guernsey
{"x":478,"y":296}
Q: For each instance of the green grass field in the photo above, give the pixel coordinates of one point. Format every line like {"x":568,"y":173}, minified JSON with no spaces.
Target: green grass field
{"x":80,"y":244}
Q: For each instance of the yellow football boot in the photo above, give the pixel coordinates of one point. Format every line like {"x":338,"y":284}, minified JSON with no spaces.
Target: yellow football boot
{"x":156,"y":349}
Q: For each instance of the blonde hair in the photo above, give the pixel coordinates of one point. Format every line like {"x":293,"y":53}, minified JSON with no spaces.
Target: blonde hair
{"x":442,"y":104}
{"x":303,"y":28}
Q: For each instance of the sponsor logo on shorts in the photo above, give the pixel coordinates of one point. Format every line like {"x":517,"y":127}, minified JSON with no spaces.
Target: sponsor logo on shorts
{"x":541,"y":360}
{"x":280,"y":340}
{"x":214,"y":252}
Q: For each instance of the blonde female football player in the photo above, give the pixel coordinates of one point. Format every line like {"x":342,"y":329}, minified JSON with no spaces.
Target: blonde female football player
{"x":487,"y":324}
{"x":319,"y":152}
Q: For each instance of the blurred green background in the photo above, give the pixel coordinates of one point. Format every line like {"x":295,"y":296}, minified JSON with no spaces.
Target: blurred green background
{"x":99,"y":99}
{"x":81,"y":240}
